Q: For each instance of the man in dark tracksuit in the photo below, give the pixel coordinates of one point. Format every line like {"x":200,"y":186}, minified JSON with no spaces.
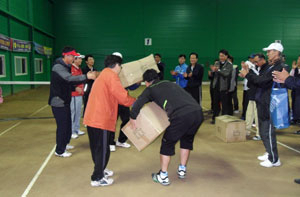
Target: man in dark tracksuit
{"x":61,"y":85}
{"x":264,"y":82}
{"x":194,"y":75}
{"x":185,"y":116}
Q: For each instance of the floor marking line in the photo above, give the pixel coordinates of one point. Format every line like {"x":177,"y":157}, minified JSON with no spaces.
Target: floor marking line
{"x":36,"y":176}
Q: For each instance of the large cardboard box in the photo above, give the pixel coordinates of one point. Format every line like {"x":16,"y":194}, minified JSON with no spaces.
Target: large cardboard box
{"x":151,"y":122}
{"x":132,"y":72}
{"x":230,"y":129}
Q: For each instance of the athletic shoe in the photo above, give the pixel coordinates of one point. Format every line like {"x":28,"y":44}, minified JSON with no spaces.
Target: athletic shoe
{"x":181,"y":173}
{"x":69,"y":147}
{"x":80,"y":132}
{"x":297,"y":181}
{"x":236,"y":111}
{"x":263,"y":157}
{"x":268,"y":164}
{"x":74,"y":136}
{"x":112,"y":148}
{"x":124,"y":145}
{"x":254,"y":125}
{"x":65,"y":154}
{"x":108,"y":172}
{"x":158,"y":179}
{"x":256,"y":138}
{"x":297,"y":132}
{"x":103,"y":182}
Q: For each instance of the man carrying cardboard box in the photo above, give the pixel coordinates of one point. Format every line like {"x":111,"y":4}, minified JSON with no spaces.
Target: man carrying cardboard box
{"x":185,"y":116}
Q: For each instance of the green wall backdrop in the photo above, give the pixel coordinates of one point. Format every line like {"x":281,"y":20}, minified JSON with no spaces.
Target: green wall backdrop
{"x":101,"y":27}
{"x":30,"y":20}
{"x":177,"y":26}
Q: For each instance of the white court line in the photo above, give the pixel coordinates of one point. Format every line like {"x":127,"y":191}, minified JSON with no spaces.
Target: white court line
{"x":10,"y":128}
{"x":288,"y":147}
{"x":36,"y":176}
{"x":282,"y":144}
{"x":38,"y":110}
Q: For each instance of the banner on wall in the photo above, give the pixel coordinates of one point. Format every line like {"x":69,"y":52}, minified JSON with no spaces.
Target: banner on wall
{"x":21,"y":45}
{"x":43,"y":50}
{"x":5,"y":42}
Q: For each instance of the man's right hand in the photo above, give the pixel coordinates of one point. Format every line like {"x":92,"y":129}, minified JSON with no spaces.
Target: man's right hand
{"x":294,"y":65}
{"x":91,"y":75}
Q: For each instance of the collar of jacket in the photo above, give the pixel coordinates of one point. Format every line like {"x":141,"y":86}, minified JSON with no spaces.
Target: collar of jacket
{"x":61,"y":61}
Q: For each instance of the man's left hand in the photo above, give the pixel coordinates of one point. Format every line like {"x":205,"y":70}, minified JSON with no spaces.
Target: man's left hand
{"x":280,"y":77}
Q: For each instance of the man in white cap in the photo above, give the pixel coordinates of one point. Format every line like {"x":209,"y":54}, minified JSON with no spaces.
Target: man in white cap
{"x":264,"y":82}
{"x":76,"y":101}
{"x":124,"y":113}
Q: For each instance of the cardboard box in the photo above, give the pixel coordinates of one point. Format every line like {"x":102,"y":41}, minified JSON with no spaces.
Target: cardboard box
{"x":132,"y":72}
{"x":151,"y":122}
{"x":230,"y":129}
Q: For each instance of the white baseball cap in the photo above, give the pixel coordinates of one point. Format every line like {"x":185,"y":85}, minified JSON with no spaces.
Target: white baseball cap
{"x":274,"y":46}
{"x":118,"y":54}
{"x":80,"y":56}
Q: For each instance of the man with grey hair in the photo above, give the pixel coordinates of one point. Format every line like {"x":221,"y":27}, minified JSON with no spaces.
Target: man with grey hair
{"x":264,"y":83}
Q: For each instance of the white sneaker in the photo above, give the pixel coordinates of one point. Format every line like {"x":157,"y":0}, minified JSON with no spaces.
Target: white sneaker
{"x":263,"y":157}
{"x":80,"y":132}
{"x":74,"y":136}
{"x":65,"y":154}
{"x":103,"y":182}
{"x":108,"y":172}
{"x":69,"y":147}
{"x":268,"y":164}
{"x":124,"y":145}
{"x":236,"y":111}
{"x":112,"y":148}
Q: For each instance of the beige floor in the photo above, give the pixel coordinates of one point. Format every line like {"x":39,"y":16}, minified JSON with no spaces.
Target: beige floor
{"x":215,"y":168}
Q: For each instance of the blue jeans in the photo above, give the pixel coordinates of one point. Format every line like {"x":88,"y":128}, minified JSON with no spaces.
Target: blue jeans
{"x":76,"y":104}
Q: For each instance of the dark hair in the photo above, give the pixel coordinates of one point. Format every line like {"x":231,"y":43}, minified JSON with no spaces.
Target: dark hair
{"x":150,"y":75}
{"x":283,"y":55}
{"x":111,"y":61}
{"x":260,"y":56}
{"x":230,"y":57}
{"x":224,"y":51}
{"x":157,"y":54}
{"x":182,"y":55}
{"x":87,"y":57}
{"x":67,"y":49}
{"x":193,"y":53}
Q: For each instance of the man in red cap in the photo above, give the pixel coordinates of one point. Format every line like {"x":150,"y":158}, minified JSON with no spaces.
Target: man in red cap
{"x":60,"y":98}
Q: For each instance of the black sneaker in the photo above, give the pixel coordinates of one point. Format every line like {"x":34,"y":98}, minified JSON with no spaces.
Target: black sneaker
{"x":158,"y":179}
{"x":181,"y":173}
{"x":297,"y":181}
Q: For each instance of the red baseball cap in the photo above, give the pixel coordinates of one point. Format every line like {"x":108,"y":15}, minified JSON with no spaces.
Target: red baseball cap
{"x":71,"y":53}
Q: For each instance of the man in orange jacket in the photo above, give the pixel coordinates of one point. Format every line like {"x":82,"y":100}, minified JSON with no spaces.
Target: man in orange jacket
{"x":101,"y":116}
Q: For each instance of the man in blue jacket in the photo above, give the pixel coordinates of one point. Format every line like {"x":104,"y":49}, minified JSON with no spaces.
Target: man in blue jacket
{"x":179,"y":71}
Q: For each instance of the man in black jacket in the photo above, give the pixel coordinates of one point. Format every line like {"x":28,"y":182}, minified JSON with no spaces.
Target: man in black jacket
{"x":89,"y":60}
{"x":161,"y":66}
{"x":61,"y":85}
{"x":194,"y":75}
{"x":264,"y":84}
{"x":291,"y":82}
{"x":185,"y":116}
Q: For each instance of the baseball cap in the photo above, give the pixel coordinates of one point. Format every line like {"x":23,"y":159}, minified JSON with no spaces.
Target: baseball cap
{"x":274,"y":46}
{"x":118,"y":54}
{"x":71,"y":53}
{"x":80,"y":56}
